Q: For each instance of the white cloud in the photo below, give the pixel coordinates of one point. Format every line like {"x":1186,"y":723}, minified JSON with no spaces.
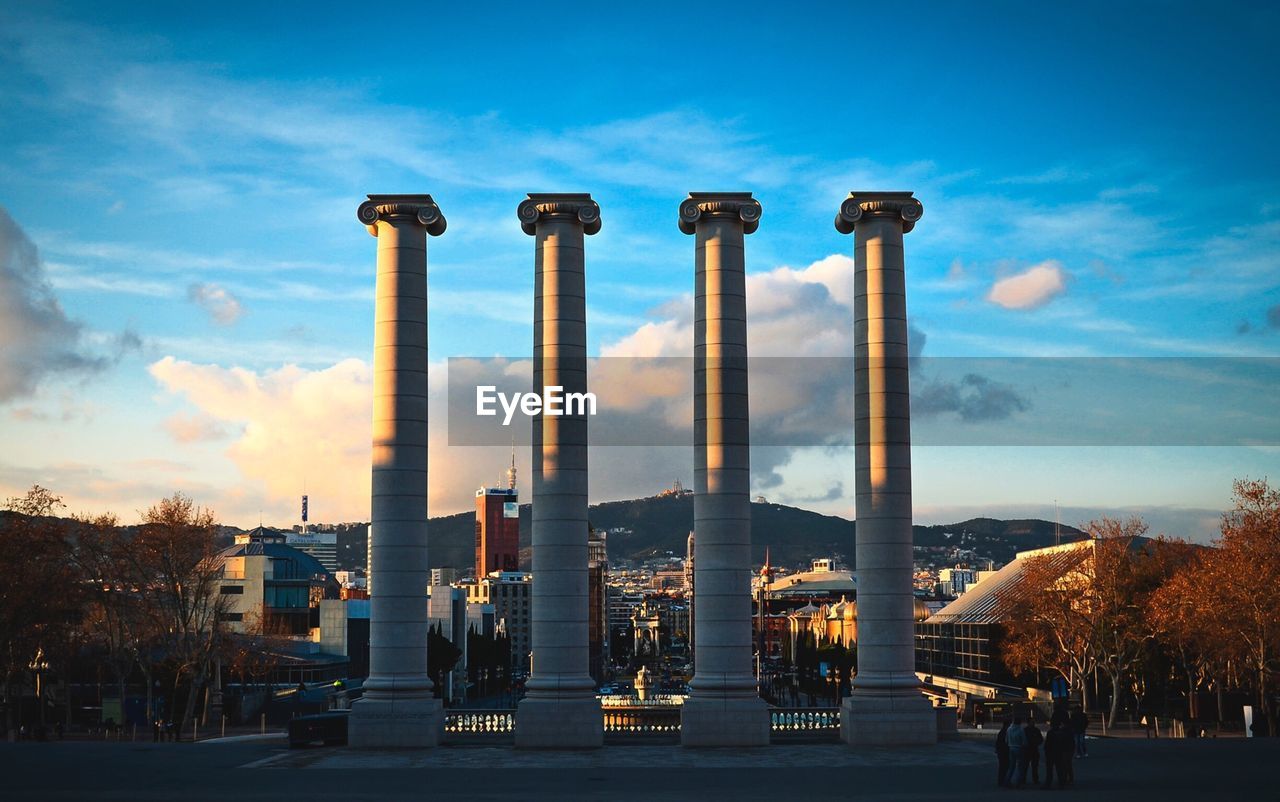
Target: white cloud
{"x":197,"y":428}
{"x":221,"y":305}
{"x":792,"y":312}
{"x":296,"y":425}
{"x":1033,"y":287}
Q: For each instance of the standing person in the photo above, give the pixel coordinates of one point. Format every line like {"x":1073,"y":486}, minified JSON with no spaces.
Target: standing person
{"x":980,"y":717}
{"x":1002,"y":755}
{"x":1032,"y":751}
{"x":1060,"y":714}
{"x":1079,"y":725}
{"x":1058,"y":746}
{"x":1017,"y":738}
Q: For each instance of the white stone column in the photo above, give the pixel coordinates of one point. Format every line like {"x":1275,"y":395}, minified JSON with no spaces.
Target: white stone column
{"x":886,"y":705}
{"x":398,"y":708}
{"x":561,"y":709}
{"x":724,"y":707}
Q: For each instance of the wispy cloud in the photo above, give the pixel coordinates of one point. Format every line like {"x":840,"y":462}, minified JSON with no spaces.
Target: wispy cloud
{"x":223,"y":307}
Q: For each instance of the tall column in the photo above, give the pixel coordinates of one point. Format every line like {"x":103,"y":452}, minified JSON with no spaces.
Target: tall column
{"x":724,"y":707}
{"x":561,"y":709}
{"x":886,"y":705}
{"x":398,"y":708}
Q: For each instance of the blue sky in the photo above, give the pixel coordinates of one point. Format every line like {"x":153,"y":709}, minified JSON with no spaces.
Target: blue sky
{"x":1099,"y":180}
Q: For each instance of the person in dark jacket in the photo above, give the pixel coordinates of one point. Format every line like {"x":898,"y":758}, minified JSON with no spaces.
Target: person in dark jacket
{"x":1031,"y":754}
{"x":1079,"y":725}
{"x":1060,"y":714}
{"x":1002,"y":755}
{"x":1058,"y":748}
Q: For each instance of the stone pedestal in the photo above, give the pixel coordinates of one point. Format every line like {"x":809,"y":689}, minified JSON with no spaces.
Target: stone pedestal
{"x":561,"y":710}
{"x":885,"y":705}
{"x":398,"y":708}
{"x":548,"y":722}
{"x":724,"y":707}
{"x":709,"y":721}
{"x":901,"y":720}
{"x":382,"y":723}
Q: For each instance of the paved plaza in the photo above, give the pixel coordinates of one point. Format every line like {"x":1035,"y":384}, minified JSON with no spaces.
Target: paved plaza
{"x":243,"y":771}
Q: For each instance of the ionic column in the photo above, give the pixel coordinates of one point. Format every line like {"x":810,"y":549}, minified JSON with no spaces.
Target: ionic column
{"x":561,"y":709}
{"x":398,"y":708}
{"x":724,"y":707}
{"x":886,"y":705}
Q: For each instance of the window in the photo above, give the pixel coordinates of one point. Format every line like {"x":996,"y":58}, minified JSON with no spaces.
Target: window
{"x":286,"y":596}
{"x":233,"y":590}
{"x":230,"y":616}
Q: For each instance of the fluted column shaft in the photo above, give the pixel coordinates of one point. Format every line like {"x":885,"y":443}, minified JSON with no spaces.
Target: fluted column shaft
{"x":886,"y":687}
{"x":882,"y":460}
{"x":398,"y":612}
{"x":397,"y":708}
{"x":560,"y":632}
{"x":561,"y":709}
{"x":721,"y":461}
{"x":724,"y":708}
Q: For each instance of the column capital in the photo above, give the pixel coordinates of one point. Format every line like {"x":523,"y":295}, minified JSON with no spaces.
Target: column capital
{"x":732,"y":205}
{"x":558,"y":206}
{"x":402,"y":207}
{"x":898,"y":205}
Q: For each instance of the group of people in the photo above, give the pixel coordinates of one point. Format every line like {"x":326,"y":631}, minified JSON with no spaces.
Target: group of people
{"x":1020,"y":742}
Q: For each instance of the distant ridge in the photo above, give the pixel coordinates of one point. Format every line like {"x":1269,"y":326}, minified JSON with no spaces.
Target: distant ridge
{"x":653,"y":526}
{"x":660,"y":524}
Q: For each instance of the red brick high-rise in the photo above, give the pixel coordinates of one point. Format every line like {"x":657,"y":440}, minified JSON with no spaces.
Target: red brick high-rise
{"x":498,"y":527}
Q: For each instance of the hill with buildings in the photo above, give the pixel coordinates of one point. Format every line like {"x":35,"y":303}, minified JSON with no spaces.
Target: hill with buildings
{"x":656,"y":526}
{"x":650,"y":527}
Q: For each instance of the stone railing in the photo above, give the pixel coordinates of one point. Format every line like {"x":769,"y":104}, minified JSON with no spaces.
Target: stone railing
{"x":624,"y":724}
{"x":656,"y":700}
{"x":804,"y":723}
{"x":486,"y":725}
{"x":659,"y":723}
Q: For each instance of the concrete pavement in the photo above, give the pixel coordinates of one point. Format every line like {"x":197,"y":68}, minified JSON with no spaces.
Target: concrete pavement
{"x":244,"y":771}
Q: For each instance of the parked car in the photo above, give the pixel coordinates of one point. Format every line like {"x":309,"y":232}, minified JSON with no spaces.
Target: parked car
{"x":329,"y":728}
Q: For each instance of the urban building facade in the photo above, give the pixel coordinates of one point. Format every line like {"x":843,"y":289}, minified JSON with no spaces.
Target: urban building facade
{"x":510,"y":594}
{"x":598,"y":599}
{"x":498,"y":527}
{"x":271,"y":587}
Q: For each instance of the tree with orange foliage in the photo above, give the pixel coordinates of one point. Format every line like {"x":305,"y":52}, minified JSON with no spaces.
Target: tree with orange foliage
{"x":1239,"y":588}
{"x":1087,"y":613}
{"x":1182,"y":619}
{"x":1045,"y":627}
{"x":177,"y":553}
{"x":41,"y":597}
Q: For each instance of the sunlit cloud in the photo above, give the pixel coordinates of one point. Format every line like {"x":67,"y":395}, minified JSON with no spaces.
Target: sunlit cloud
{"x":1032,"y":288}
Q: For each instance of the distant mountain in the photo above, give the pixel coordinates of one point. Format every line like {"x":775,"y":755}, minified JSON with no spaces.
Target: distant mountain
{"x":649,"y":527}
{"x":658,"y":525}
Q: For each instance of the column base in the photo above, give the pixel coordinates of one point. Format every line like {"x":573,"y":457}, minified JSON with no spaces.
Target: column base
{"x":550,"y":723}
{"x":905,"y":719}
{"x":395,"y":723}
{"x":712,"y":721}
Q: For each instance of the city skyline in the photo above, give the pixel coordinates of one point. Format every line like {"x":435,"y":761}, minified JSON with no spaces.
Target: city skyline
{"x":198,"y":318}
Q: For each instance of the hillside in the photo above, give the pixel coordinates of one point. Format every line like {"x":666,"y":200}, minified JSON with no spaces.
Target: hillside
{"x":648,"y":527}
